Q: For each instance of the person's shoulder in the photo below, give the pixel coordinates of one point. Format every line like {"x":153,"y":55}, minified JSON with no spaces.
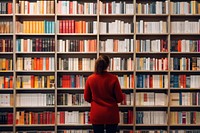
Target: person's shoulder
{"x":91,"y":76}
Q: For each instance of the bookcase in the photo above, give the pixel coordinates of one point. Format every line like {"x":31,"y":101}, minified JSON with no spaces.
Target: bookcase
{"x":48,"y":49}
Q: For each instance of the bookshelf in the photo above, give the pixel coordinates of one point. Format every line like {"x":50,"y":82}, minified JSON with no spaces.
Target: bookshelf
{"x":48,"y":48}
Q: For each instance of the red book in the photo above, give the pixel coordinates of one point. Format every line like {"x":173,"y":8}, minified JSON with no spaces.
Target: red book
{"x":61,"y":26}
{"x":52,"y":117}
{"x":67,"y":26}
{"x":9,"y":8}
{"x":62,"y":117}
{"x":64,"y":26}
{"x":70,"y":26}
{"x":183,"y":117}
{"x":73,"y":26}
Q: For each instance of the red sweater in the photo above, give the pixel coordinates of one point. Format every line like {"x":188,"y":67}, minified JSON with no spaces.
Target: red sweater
{"x":103,"y":92}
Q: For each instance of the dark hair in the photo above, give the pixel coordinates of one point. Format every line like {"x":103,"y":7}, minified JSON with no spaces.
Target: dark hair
{"x":102,"y":64}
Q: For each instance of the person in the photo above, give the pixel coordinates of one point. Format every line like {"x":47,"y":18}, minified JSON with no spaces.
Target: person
{"x":103,"y":91}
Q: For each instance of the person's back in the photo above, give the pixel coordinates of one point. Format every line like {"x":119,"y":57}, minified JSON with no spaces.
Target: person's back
{"x":103,"y":91}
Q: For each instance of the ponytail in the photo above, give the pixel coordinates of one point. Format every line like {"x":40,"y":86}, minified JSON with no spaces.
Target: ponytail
{"x":102,"y":64}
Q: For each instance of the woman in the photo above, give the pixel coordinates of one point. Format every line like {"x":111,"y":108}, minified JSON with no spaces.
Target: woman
{"x":103,"y":91}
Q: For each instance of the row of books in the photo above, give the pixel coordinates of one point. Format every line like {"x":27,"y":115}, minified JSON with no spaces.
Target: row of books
{"x":116,"y":27}
{"x":147,"y":63}
{"x":157,"y":45}
{"x":72,"y":81}
{"x":185,"y":98}
{"x":151,"y":98}
{"x":185,"y":7}
{"x":115,"y":45}
{"x":152,"y":81}
{"x":116,"y":7}
{"x":35,"y":63}
{"x":128,"y":99}
{"x":75,"y":64}
{"x":126,"y":81}
{"x":33,"y":81}
{"x":185,"y":45}
{"x":35,"y":99}
{"x":151,"y":117}
{"x":119,"y":63}
{"x":76,"y":26}
{"x":6,"y":64}
{"x":126,"y":117}
{"x":76,"y":7}
{"x":184,"y":81}
{"x":35,"y":7}
{"x":6,"y":118}
{"x":185,"y":26}
{"x":185,"y":117}
{"x":71,"y":99}
{"x":44,"y":26}
{"x":33,"y":131}
{"x":6,"y":100}
{"x":29,"y":118}
{"x":73,"y":117}
{"x":6,"y":82}
{"x":185,"y":63}
{"x":35,"y":45}
{"x":157,"y":7}
{"x":151,"y":27}
{"x":6,"y":26}
{"x":6,"y":45}
{"x":89,"y":45}
{"x":78,"y":81}
{"x":6,"y":7}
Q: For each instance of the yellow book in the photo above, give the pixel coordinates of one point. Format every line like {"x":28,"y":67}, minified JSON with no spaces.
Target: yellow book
{"x":4,"y":64}
{"x":30,"y":26}
{"x":24,"y":26}
{"x":36,"y":26}
{"x":139,"y":8}
{"x":36,"y":81}
{"x":161,"y":81}
{"x":42,"y":27}
{"x":125,"y":81}
{"x":48,"y":81}
{"x":52,"y":82}
{"x":30,"y":116}
{"x":33,"y":26}
{"x":41,"y":7}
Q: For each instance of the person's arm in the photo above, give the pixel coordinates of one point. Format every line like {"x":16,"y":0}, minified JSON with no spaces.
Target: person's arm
{"x":87,"y":92}
{"x":118,"y":92}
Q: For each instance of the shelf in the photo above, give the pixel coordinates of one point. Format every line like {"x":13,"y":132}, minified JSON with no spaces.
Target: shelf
{"x":116,"y":15}
{"x":34,"y":15}
{"x":151,"y":71}
{"x":28,"y":107}
{"x":35,"y":34}
{"x":6,"y":15}
{"x":156,"y":125}
{"x":35,"y":89}
{"x":185,"y":71}
{"x":6,"y":71}
{"x":77,"y":34}
{"x":76,"y":15}
{"x":185,"y":34}
{"x":184,"y":53}
{"x":78,"y":89}
{"x":151,"y":89}
{"x":153,"y":53}
{"x":71,"y":71}
{"x":36,"y":125}
{"x":184,"y":125}
{"x":6,"y":107}
{"x":6,"y":125}
{"x":73,"y":106}
{"x":116,"y":34}
{"x":183,"y":89}
{"x":184,"y":106}
{"x":35,"y":71}
{"x":117,"y":53}
{"x":6,"y":53}
{"x":152,"y":15}
{"x":35,"y":53}
{"x":77,"y":53}
{"x":152,"y":34}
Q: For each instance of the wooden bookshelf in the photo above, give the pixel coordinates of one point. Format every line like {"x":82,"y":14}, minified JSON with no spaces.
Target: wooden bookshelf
{"x":95,"y":28}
